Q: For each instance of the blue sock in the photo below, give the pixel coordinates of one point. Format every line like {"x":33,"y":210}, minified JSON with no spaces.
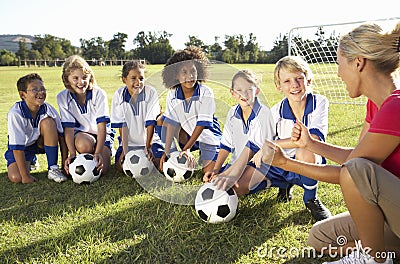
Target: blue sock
{"x":51,"y":155}
{"x":311,"y":191}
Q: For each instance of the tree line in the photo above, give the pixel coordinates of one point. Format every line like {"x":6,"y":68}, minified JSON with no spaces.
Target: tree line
{"x":155,"y":48}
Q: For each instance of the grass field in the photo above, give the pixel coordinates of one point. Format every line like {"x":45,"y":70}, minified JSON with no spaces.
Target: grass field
{"x":115,"y":220}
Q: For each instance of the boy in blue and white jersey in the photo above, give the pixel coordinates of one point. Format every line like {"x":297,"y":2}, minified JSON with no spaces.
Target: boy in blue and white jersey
{"x":34,"y":127}
{"x":84,"y":114}
{"x":249,"y":116}
{"x":293,"y":77}
{"x":135,"y":108}
{"x":190,"y":105}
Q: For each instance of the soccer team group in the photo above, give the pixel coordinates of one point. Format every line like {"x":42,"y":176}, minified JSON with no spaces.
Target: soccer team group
{"x":236,"y":156}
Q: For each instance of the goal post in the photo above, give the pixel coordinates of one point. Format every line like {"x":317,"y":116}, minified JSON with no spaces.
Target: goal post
{"x":317,"y":44}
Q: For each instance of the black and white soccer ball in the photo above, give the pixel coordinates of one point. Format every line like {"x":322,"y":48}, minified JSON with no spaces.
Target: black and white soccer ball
{"x":136,"y":164}
{"x":83,"y":169}
{"x":216,"y":206}
{"x":177,"y":168}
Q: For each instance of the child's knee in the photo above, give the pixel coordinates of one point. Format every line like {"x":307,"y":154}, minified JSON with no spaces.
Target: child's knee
{"x":305,"y":155}
{"x":15,"y":178}
{"x":48,"y":123}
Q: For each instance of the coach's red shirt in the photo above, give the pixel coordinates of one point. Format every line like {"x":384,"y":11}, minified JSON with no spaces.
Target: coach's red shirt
{"x":386,"y":121}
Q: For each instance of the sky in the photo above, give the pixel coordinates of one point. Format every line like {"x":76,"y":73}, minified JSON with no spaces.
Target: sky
{"x":205,"y":19}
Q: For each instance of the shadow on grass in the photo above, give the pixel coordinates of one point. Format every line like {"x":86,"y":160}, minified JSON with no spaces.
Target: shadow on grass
{"x":25,"y":203}
{"x":142,"y":230}
{"x":334,"y":133}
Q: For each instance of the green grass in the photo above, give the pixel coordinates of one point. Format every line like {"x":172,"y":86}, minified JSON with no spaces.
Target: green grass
{"x":115,"y":220}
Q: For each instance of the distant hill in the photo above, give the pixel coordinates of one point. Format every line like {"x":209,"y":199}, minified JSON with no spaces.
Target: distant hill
{"x":11,"y":42}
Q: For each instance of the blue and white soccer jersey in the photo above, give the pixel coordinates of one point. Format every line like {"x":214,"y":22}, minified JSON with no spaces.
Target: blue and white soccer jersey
{"x":262,"y":128}
{"x":84,"y":118}
{"x":136,"y":116}
{"x":198,"y":111}
{"x":24,"y":130}
{"x":315,"y":118}
{"x":236,"y":131}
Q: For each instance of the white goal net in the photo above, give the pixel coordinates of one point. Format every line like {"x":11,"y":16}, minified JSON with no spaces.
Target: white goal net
{"x":317,"y":44}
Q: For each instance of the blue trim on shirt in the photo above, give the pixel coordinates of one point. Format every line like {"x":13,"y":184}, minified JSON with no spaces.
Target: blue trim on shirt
{"x":318,"y":133}
{"x":118,"y":125}
{"x":105,"y":119}
{"x":254,"y":113}
{"x":205,"y":124}
{"x":253,"y":147}
{"x":26,"y":113}
{"x":69,"y":124}
{"x":286,"y":112}
{"x":222,"y":146}
{"x":82,"y":109}
{"x":195,"y":97}
{"x":150,"y":123}
{"x":128,"y":99}
{"x":16,"y":147}
{"x":216,"y":128}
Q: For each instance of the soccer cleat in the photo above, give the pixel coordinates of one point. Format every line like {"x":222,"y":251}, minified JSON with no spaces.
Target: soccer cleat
{"x":285,"y":194}
{"x":318,"y":210}
{"x":358,"y":257}
{"x":56,"y":174}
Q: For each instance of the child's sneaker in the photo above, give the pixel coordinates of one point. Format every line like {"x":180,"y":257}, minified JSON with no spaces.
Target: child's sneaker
{"x":358,"y":256}
{"x":56,"y":174}
{"x":285,"y":194}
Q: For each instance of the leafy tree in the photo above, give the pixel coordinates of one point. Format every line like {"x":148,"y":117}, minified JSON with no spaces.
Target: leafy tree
{"x":46,"y":53}
{"x":194,"y":41}
{"x":279,"y":50}
{"x":215,"y":50}
{"x":35,"y":55}
{"x":154,"y":47}
{"x":67,"y":47}
{"x":231,"y":53}
{"x":7,"y":58}
{"x":57,"y":52}
{"x":23,"y":51}
{"x":52,"y":47}
{"x":116,"y":46}
{"x":252,"y":49}
{"x":94,"y":48}
{"x":229,"y":56}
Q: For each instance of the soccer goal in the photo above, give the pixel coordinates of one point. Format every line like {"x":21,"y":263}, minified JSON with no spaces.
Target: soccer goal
{"x":317,"y":44}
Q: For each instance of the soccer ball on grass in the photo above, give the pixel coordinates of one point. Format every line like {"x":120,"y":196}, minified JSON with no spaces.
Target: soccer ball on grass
{"x":177,"y":168}
{"x":136,"y":164}
{"x":83,"y":169}
{"x":216,"y":206}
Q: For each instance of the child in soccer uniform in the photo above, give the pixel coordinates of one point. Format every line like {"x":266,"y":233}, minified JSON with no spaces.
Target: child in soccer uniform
{"x":190,"y":105}
{"x":248,"y":114}
{"x":84,"y":114}
{"x":135,"y":108}
{"x":292,"y":77}
{"x":242,"y":175}
{"x":34,"y":127}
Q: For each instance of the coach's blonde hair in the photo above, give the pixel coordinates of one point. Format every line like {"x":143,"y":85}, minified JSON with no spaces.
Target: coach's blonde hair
{"x":75,"y":62}
{"x":369,"y":41}
{"x":292,"y":64}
